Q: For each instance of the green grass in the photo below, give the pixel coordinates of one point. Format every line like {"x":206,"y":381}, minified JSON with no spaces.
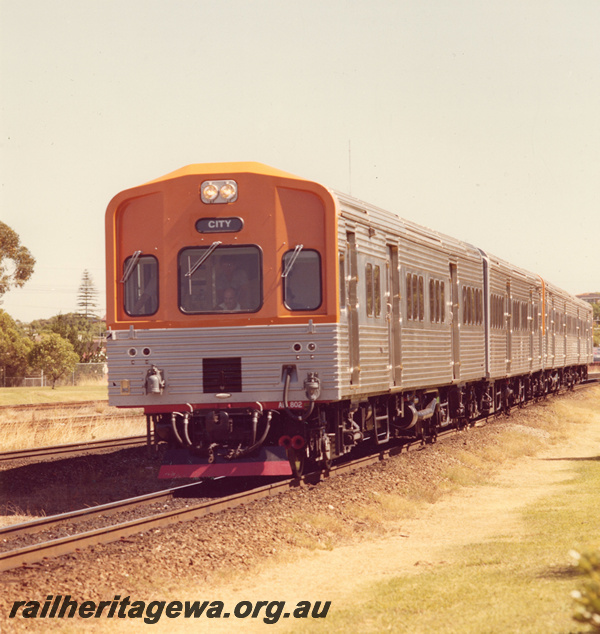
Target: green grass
{"x":66,"y":394}
{"x":511,"y":584}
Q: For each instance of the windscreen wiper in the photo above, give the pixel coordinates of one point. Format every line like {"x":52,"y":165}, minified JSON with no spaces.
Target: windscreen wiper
{"x":203,"y":259}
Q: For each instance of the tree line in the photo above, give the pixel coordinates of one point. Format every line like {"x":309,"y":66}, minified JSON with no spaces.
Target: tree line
{"x":53,"y":346}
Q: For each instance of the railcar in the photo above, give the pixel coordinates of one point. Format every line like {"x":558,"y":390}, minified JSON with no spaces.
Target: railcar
{"x":263,"y":322}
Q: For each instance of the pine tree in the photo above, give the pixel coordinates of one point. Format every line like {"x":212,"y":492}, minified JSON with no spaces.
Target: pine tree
{"x":87,"y":296}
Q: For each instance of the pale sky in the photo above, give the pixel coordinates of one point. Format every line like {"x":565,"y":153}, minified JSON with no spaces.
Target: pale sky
{"x":478,"y":119}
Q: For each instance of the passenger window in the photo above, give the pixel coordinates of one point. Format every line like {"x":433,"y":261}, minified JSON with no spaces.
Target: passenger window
{"x":415,"y":292}
{"x":369,"y":282}
{"x":373,"y":290}
{"x":219,"y":279}
{"x":377,"y":285}
{"x":140,"y":278}
{"x":415,"y":297}
{"x":302,"y":283}
{"x":432,"y":299}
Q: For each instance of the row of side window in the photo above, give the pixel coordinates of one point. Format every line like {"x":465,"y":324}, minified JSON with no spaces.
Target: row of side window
{"x":524,"y":315}
{"x":472,"y":306}
{"x":415,"y":299}
{"x":415,"y":294}
{"x":373,"y":282}
{"x":520,"y":315}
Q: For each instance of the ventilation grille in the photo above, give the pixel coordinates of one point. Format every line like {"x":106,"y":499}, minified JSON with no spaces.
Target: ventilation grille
{"x":222,"y":375}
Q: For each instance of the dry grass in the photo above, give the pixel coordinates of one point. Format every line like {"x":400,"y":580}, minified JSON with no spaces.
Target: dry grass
{"x":13,"y":514}
{"x":24,"y":429}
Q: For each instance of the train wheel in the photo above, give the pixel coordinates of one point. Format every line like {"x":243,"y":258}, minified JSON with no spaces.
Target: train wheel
{"x":326,"y":461}
{"x":297,"y":460}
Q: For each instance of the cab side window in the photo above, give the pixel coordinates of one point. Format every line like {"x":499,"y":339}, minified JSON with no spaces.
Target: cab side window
{"x":342,"y":280}
{"x":302,"y":283}
{"x":140,"y":285}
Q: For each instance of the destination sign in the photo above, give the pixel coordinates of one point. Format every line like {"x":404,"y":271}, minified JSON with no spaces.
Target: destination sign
{"x":219,"y":225}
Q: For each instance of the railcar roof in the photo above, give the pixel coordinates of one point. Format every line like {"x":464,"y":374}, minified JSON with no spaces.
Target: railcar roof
{"x":249,"y":167}
{"x":392,"y":221}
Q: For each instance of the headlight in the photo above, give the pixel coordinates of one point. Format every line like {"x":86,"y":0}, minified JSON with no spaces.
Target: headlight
{"x":209,"y":192}
{"x":218,"y":192}
{"x":228,"y":191}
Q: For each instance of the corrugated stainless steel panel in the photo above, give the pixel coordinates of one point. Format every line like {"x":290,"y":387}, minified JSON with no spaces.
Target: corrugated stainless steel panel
{"x":472,"y":353}
{"x":523,"y":286}
{"x":374,"y":358}
{"x":362,"y":213}
{"x":426,"y":347}
{"x":427,"y":356}
{"x":469,"y":265}
{"x":264,"y":351}
{"x":498,"y":353}
{"x":371,"y":244}
{"x":537,"y":363}
{"x":344,"y":358}
{"x":520,"y":353}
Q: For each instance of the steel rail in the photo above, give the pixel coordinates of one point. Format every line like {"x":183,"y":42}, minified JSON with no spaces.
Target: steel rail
{"x":88,"y":445}
{"x":65,"y":545}
{"x":57,"y":405}
{"x":110,"y":508}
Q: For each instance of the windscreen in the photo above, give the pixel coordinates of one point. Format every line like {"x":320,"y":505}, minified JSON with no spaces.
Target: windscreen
{"x":220,"y":280}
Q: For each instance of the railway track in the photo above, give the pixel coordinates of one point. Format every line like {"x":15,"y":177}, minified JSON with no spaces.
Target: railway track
{"x":50,"y":406}
{"x":56,"y":547}
{"x":73,"y":448}
{"x":90,"y":513}
{"x":72,"y":414}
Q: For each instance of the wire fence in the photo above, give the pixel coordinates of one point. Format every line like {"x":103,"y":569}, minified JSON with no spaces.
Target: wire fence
{"x":83,"y":374}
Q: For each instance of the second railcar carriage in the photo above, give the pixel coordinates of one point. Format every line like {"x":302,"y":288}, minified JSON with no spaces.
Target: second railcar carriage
{"x":262,"y":321}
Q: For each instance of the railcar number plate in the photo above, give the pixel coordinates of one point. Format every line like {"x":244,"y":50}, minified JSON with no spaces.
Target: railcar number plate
{"x":293,"y":404}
